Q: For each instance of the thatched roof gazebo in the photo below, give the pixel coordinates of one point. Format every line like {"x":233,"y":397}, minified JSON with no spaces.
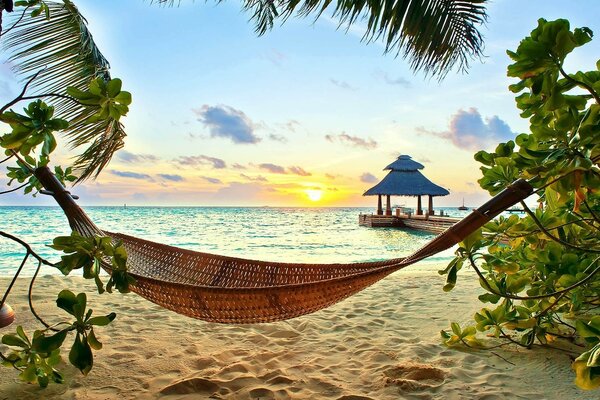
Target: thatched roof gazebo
{"x":404,"y":179}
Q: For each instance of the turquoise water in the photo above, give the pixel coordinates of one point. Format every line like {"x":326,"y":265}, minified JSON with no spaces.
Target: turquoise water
{"x":277,"y":234}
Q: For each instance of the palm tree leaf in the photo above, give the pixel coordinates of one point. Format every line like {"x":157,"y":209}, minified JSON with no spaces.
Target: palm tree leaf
{"x":434,"y":35}
{"x":64,"y":50}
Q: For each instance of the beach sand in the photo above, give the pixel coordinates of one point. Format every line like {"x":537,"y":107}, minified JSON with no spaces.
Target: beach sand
{"x":383,"y":343}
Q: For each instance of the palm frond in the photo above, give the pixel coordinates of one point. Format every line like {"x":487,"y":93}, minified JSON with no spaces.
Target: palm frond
{"x":434,"y":35}
{"x":64,"y":50}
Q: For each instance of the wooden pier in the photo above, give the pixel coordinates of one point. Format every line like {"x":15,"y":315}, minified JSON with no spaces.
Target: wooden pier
{"x":428,"y":223}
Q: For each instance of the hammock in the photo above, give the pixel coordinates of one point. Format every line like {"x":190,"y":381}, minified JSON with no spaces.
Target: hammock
{"x":233,"y":290}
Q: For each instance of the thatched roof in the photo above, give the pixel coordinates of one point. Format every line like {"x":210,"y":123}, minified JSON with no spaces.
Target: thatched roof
{"x":404,"y":163}
{"x":404,"y":179}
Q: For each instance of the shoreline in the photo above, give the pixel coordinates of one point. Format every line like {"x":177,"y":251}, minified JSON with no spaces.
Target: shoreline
{"x":382,"y":343}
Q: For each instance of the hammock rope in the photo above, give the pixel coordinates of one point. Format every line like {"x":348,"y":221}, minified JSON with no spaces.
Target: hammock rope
{"x":226,"y":289}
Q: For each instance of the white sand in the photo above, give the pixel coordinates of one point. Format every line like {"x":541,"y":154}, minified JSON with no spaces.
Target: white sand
{"x":383,"y":343}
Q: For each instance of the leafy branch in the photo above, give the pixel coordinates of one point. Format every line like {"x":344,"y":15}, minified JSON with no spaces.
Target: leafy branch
{"x":551,"y":253}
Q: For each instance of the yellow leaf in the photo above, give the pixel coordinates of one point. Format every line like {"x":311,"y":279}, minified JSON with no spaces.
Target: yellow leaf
{"x":583,"y":376}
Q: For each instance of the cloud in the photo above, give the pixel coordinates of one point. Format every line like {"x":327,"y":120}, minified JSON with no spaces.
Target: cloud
{"x":278,"y":138}
{"x":469,"y":131}
{"x":291,"y":125}
{"x":128,"y":157}
{"x":132,"y":175}
{"x":258,"y":178}
{"x":342,"y":84}
{"x":354,"y":141}
{"x":227,"y":122}
{"x":298,"y":171}
{"x":272,"y":168}
{"x":330,"y":176}
{"x":368,"y":178}
{"x":238,"y":166}
{"x":215,"y":181}
{"x":194,"y":161}
{"x":400,"y":81}
{"x":424,"y":160}
{"x":172,"y":178}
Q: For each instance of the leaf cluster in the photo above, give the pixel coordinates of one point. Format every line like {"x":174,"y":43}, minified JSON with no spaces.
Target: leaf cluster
{"x":89,"y":254}
{"x":542,"y":267}
{"x":37,"y":357}
{"x":104,"y":98}
{"x":36,"y":127}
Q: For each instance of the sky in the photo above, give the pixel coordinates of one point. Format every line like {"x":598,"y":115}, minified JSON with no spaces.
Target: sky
{"x":306,"y":115}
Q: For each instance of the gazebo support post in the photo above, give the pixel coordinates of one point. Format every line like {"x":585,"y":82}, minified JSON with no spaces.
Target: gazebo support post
{"x":431,"y":212}
{"x":379,"y":208}
{"x":419,"y":208}
{"x":388,"y":206}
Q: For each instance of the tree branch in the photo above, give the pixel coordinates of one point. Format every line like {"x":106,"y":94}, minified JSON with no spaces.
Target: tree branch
{"x":551,"y":236}
{"x":537,"y":297}
{"x":15,"y":189}
{"x":15,"y":24}
{"x":579,"y":83}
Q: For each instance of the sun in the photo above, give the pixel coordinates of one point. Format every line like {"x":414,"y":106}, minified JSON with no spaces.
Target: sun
{"x":314,"y":194}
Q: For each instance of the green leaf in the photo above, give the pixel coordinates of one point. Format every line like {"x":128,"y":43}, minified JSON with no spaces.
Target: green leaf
{"x":47,"y":344}
{"x":102,"y":321}
{"x":29,"y":374}
{"x":451,"y":279}
{"x":587,"y":330}
{"x":124,"y":98}
{"x":473,"y":241}
{"x":489,"y":298}
{"x":67,"y":301}
{"x":93,"y":341}
{"x":12,"y":340}
{"x":456,"y":328}
{"x":113,"y":87}
{"x":81,"y":355}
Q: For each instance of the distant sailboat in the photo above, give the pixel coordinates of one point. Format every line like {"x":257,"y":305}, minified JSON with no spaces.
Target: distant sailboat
{"x":463,"y":207}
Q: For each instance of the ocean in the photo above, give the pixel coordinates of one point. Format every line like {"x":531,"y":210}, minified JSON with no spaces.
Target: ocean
{"x":319,"y":235}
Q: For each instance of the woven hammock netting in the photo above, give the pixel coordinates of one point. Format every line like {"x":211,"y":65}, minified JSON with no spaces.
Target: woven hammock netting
{"x":234,"y":290}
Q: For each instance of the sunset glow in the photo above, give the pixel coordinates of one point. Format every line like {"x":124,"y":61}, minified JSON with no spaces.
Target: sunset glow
{"x":203,"y":136}
{"x":314,"y":195}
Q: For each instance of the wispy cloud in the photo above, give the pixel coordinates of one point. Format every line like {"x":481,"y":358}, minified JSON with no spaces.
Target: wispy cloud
{"x":354,"y":141}
{"x":342,"y":84}
{"x":128,"y":157}
{"x":272,"y":168}
{"x":238,"y":166}
{"x":467,"y":130}
{"x":227,"y":122}
{"x":278,"y":138}
{"x":172,"y":177}
{"x":298,"y":171}
{"x":367,"y":177}
{"x":132,"y":175}
{"x":195,"y":161}
{"x":214,"y":181}
{"x":398,"y":81}
{"x":291,"y":125}
{"x":258,"y":178}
